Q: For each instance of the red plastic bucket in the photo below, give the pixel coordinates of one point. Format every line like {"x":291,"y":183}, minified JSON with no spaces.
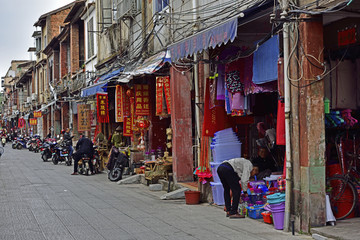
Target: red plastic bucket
{"x":192,"y":197}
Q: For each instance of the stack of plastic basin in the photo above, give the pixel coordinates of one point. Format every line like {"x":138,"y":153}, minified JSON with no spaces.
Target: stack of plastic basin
{"x":277,"y":207}
{"x":225,"y":145}
{"x":218,"y":193}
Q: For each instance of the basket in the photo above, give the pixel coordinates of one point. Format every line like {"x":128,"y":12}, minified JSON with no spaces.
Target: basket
{"x":255,"y":211}
{"x":192,"y":197}
{"x":267,"y":217}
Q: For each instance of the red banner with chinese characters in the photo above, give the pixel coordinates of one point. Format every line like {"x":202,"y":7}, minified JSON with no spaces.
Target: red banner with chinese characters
{"x":84,"y":120}
{"x":102,"y":107}
{"x":37,"y":114}
{"x":347,"y":37}
{"x":122,"y":108}
{"x":167,"y":93}
{"x":127,"y":130}
{"x":119,"y":92}
{"x":142,"y":106}
{"x":33,"y":121}
{"x":159,"y":95}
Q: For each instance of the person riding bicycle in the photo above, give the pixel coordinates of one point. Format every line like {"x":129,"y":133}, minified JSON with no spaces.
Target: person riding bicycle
{"x":83,"y":146}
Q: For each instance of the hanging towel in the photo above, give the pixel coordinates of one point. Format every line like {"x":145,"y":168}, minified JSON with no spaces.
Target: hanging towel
{"x":238,"y":101}
{"x":227,"y":102}
{"x":280,"y":124}
{"x":265,"y":61}
{"x":220,"y":84}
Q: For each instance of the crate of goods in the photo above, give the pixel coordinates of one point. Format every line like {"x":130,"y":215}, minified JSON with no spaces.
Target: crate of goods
{"x":218,"y":193}
{"x":255,"y":211}
{"x":267,"y":217}
{"x":214,"y":167}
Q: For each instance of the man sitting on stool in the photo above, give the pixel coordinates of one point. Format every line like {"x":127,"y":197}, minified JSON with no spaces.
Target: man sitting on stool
{"x":83,"y":146}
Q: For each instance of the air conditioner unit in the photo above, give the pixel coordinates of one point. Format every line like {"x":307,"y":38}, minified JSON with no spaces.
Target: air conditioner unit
{"x":33,"y":96}
{"x":127,"y":8}
{"x":28,"y":100}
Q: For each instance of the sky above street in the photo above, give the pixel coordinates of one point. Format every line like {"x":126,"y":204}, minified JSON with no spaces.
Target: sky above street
{"x":17,"y":18}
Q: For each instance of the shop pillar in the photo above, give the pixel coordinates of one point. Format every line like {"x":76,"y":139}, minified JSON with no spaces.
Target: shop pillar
{"x":181,"y":123}
{"x":308,"y":131}
{"x":65,"y":115}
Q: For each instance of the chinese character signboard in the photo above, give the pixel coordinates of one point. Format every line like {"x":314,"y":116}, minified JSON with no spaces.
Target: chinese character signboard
{"x":167,"y":93}
{"x":142,"y":103}
{"x":37,"y":114}
{"x":84,"y":120}
{"x":159,"y":95}
{"x":163,"y":84}
{"x":102,"y":107}
{"x":122,"y":108}
{"x":347,"y":37}
{"x":128,"y":132}
{"x":33,"y":121}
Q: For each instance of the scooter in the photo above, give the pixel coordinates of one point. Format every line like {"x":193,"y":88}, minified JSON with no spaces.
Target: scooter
{"x":116,"y":164}
{"x":84,"y":165}
{"x":47,"y":149}
{"x":3,"y":141}
{"x":61,"y":154}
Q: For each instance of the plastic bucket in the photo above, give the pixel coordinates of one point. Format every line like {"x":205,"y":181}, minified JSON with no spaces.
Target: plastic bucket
{"x":278,"y":219}
{"x":192,"y":197}
{"x":277,"y":207}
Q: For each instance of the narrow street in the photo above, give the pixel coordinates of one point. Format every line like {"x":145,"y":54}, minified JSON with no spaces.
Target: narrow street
{"x":39,"y":200}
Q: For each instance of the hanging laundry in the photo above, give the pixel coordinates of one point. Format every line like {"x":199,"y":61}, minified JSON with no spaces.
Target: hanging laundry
{"x":212,"y":88}
{"x":238,"y":101}
{"x":265,"y":61}
{"x":233,"y":83}
{"x":280,"y":124}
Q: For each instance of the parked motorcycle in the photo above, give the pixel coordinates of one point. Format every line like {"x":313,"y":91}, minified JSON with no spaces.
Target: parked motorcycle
{"x":19,"y":143}
{"x":116,"y":164}
{"x":47,"y":149}
{"x":61,"y":154}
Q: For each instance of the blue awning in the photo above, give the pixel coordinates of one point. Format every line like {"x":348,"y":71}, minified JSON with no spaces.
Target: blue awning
{"x":211,"y":37}
{"x":110,"y":75}
{"x":93,"y":89}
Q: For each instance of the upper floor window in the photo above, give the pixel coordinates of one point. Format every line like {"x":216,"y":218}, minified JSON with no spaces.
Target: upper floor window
{"x":161,"y":4}
{"x":90,"y":36}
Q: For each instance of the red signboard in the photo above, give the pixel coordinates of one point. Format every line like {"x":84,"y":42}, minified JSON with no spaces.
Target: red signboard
{"x":159,"y":95}
{"x":167,"y":93}
{"x":37,"y":114}
{"x":142,"y":104}
{"x":102,"y":107}
{"x":33,"y":121}
{"x":122,"y":108}
{"x":127,"y":131}
{"x":347,"y":37}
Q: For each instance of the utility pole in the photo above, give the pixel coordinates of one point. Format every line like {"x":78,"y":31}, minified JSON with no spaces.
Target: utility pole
{"x":288,"y":191}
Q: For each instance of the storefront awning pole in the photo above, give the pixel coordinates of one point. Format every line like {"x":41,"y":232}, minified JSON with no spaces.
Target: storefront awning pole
{"x":196,"y":86}
{"x":288,"y":189}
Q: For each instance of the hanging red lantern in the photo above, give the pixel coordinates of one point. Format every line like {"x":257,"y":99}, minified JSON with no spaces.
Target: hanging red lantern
{"x":142,"y":124}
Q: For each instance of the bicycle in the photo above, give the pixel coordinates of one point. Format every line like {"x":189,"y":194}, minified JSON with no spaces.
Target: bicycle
{"x":342,"y":187}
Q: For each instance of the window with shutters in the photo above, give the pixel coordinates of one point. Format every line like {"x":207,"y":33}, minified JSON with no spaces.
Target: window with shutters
{"x":90,"y":38}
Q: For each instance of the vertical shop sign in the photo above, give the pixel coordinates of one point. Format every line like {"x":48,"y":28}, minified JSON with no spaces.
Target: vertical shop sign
{"x":122,"y":108}
{"x":102,"y":107}
{"x":37,"y":114}
{"x":159,"y":95}
{"x":142,"y":106}
{"x":119,"y":107}
{"x":84,"y":121}
{"x":167,"y":93}
{"x":128,"y":127}
{"x":33,"y":121}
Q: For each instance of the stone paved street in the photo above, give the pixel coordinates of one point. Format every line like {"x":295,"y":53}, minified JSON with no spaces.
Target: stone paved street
{"x":39,"y":200}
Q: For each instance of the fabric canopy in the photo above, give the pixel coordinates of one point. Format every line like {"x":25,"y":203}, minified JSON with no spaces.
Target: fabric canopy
{"x":211,"y":37}
{"x":148,"y":66}
{"x":92,"y":90}
{"x":111,"y":75}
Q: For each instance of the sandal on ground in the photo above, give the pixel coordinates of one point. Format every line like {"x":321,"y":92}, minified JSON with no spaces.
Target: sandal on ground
{"x":237,"y":215}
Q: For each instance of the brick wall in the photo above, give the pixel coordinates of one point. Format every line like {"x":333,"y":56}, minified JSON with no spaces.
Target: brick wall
{"x":63,"y":66}
{"x":56,"y":20}
{"x":74,"y":47}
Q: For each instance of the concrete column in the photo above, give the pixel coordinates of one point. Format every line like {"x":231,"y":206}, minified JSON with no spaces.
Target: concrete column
{"x":181,"y":122}
{"x":308,"y":130}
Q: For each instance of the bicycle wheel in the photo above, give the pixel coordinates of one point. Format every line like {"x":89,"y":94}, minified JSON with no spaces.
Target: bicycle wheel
{"x":343,"y":196}
{"x":1,"y":151}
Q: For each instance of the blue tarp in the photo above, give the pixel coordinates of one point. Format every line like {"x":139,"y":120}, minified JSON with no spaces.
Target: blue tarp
{"x":111,"y":74}
{"x":92,"y":90}
{"x":265,"y":61}
{"x":211,"y":37}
